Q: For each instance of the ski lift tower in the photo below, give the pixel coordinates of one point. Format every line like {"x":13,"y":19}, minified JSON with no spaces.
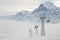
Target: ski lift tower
{"x":43,"y":37}
{"x":42,"y":28}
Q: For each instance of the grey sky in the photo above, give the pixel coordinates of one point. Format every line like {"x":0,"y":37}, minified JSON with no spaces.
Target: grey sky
{"x":18,"y":5}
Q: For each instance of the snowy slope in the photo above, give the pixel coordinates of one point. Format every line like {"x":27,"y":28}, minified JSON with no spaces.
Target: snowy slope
{"x":19,"y":30}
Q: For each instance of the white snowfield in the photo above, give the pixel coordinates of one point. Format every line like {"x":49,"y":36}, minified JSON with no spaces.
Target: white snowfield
{"x":19,"y":30}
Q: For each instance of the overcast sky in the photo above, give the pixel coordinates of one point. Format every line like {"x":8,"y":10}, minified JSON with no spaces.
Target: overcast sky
{"x":18,"y":5}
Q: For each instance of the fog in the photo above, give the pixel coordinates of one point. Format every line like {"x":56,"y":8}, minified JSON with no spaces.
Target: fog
{"x":19,"y":30}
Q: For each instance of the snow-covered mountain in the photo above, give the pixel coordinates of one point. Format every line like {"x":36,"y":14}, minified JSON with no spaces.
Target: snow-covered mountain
{"x":47,"y":9}
{"x":18,"y":16}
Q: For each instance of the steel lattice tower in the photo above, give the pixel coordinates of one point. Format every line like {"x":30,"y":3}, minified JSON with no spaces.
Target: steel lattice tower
{"x":42,"y":28}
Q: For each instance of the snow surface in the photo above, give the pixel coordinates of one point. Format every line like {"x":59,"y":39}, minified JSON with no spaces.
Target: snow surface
{"x":19,"y":30}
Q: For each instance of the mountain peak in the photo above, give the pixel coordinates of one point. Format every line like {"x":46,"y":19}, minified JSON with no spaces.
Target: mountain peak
{"x":45,"y":7}
{"x":48,"y":5}
{"x":48,"y":2}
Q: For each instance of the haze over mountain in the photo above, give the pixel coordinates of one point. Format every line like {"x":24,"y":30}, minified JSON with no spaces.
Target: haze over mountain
{"x":47,"y":9}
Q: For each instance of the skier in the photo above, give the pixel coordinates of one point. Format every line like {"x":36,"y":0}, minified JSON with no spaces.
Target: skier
{"x":36,"y":27}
